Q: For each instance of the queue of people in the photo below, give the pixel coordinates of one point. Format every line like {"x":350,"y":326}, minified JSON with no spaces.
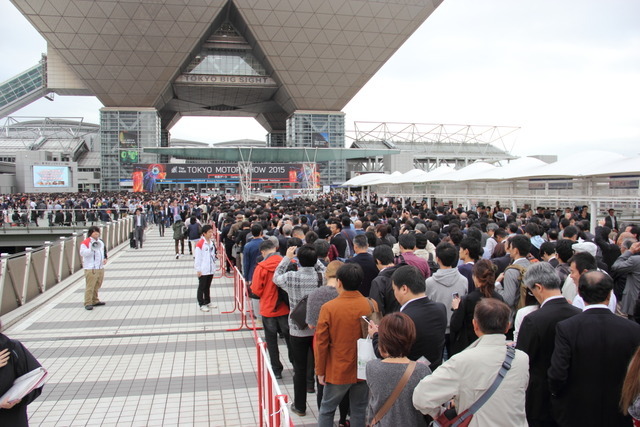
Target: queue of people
{"x":462,"y":303}
{"x":461,"y":293}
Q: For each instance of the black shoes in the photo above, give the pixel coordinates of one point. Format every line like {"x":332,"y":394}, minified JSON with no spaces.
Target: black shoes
{"x":278,"y":375}
{"x":297,"y":411}
{"x":90,"y":307}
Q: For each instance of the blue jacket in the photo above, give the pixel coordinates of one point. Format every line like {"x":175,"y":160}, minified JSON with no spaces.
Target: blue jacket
{"x":250,"y":256}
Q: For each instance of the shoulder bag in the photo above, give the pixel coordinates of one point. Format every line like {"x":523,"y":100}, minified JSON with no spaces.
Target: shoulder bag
{"x":298,"y":314}
{"x":394,"y":395}
{"x":374,"y":316}
{"x":465,"y":417}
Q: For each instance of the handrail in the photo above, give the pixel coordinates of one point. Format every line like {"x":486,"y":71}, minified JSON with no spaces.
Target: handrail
{"x":26,"y":275}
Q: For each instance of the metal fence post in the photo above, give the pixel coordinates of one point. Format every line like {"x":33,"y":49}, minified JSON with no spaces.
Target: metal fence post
{"x":74,"y":244}
{"x":3,"y":274}
{"x":45,"y":271}
{"x":27,"y":268}
{"x":61,"y":260}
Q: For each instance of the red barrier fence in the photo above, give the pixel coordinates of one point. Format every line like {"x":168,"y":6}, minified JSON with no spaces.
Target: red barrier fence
{"x":273,"y":404}
{"x":273,"y":408}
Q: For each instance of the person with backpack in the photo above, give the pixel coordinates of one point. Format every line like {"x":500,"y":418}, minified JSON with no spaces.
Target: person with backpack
{"x":274,"y":309}
{"x":179,"y":230}
{"x":194,"y":231}
{"x":509,"y":283}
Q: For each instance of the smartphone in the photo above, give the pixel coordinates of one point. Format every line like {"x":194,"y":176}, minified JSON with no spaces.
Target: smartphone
{"x":366,"y":319}
{"x":455,"y":295}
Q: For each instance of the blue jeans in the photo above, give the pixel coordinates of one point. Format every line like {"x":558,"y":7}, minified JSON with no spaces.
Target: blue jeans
{"x":358,"y":398}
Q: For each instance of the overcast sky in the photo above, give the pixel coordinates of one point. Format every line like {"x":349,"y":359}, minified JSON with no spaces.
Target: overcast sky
{"x":567,"y":72}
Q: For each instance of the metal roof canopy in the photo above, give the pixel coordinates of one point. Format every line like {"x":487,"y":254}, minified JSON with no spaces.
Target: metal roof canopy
{"x":269,"y":154}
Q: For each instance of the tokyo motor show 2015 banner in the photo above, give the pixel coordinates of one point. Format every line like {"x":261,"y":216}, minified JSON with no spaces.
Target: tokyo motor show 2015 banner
{"x":146,"y":177}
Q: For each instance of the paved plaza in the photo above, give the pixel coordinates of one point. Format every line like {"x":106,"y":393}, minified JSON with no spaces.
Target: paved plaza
{"x":149,"y":357}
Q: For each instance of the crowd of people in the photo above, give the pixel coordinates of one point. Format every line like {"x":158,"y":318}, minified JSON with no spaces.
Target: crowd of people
{"x":472,"y":282}
{"x":454,"y":288}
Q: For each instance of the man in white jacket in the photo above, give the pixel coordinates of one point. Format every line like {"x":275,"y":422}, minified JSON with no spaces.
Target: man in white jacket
{"x":205,"y":266}
{"x":94,"y":257}
{"x":467,"y":375}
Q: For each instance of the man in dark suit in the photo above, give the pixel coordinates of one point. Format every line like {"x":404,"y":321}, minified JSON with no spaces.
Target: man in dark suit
{"x":611,"y":220}
{"x":590,"y":359}
{"x":429,"y":317}
{"x":366,"y":261}
{"x":139,"y":224}
{"x":537,"y":338}
{"x":337,"y":238}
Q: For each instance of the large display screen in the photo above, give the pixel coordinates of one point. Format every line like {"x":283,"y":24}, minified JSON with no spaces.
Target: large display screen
{"x":146,"y":176}
{"x":51,"y":176}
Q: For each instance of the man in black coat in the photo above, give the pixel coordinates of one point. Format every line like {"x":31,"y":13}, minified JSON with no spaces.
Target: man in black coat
{"x":590,"y":359}
{"x":381,"y":289}
{"x":366,"y":261}
{"x":337,"y":238}
{"x":537,"y":338}
{"x":429,"y":317}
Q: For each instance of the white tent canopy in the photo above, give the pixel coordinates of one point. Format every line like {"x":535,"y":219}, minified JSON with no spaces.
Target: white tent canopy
{"x":468,"y":172}
{"x":580,"y":164}
{"x":512,"y":169}
{"x":363,"y":179}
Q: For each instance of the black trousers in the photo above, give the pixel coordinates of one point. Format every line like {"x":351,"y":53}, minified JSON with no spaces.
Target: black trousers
{"x":271,"y":326}
{"x":299,"y":351}
{"x":139,"y":236}
{"x":181,"y":242}
{"x":204,"y":287}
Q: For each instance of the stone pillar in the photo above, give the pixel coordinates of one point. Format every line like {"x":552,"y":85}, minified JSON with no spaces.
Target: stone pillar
{"x":124,"y":133}
{"x":322,"y":129}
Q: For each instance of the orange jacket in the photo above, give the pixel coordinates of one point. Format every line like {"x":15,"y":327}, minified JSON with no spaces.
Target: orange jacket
{"x":262,"y":285}
{"x":337,"y":334}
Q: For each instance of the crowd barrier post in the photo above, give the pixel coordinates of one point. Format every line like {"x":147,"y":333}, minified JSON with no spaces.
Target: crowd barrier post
{"x":236,"y":298}
{"x":242,"y":303}
{"x":220,"y":255}
{"x":273,"y":408}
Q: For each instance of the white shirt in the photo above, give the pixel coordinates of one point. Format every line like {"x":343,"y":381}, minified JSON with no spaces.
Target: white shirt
{"x":550,"y":298}
{"x":589,"y":307}
{"x":410,"y":301}
{"x":613,"y":302}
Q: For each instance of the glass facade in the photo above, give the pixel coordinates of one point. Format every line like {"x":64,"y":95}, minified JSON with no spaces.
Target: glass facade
{"x":277,"y":139}
{"x":226,"y":53}
{"x":323,"y":130}
{"x":228,"y":62}
{"x":25,"y":84}
{"x":124,"y":133}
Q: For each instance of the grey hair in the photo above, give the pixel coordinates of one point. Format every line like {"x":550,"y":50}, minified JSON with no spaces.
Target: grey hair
{"x":492,"y":226}
{"x":543,"y":274}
